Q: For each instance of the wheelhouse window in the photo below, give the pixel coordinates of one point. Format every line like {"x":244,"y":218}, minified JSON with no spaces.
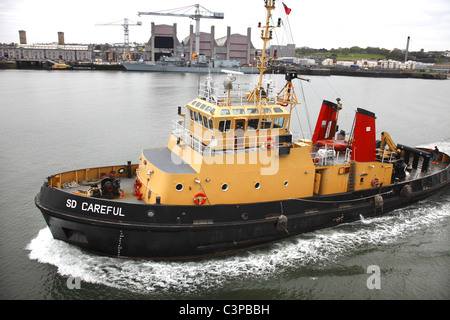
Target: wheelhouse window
{"x":195,"y":116}
{"x":266,"y":123}
{"x":253,"y":124}
{"x":252,"y":111}
{"x":205,"y":122}
{"x":210,"y":124}
{"x":224,"y":112}
{"x":239,"y":111}
{"x":224,"y":125}
{"x":277,"y":109}
{"x":278,"y":123}
{"x":192,"y":114}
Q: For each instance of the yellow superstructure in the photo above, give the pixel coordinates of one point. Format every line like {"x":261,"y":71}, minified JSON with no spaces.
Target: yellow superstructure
{"x":233,"y":148}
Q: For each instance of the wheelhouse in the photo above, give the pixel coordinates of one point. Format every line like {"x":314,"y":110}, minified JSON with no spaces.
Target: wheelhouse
{"x":221,"y":124}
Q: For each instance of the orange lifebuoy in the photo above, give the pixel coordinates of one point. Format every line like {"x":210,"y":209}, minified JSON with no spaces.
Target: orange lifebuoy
{"x":375,"y":182}
{"x":268,"y":144}
{"x":197,"y":198}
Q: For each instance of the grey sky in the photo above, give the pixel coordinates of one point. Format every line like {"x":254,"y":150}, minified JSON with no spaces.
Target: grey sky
{"x":317,"y":24}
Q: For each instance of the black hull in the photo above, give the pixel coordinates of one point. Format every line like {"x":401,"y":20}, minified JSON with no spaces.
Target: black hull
{"x":161,"y":231}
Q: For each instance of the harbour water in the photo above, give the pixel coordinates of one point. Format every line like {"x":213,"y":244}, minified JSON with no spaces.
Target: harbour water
{"x":55,"y":121}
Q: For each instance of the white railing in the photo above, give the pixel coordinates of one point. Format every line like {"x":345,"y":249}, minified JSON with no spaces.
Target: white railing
{"x":207,"y":143}
{"x":386,"y":155}
{"x":328,"y":156}
{"x":215,"y":93}
{"x":233,"y":142}
{"x":211,"y":93}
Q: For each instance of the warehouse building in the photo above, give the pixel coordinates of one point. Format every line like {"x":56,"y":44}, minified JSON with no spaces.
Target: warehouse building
{"x":54,"y":51}
{"x":164,"y":42}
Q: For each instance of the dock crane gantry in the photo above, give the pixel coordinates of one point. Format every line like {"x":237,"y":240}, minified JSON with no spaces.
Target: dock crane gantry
{"x":197,"y":15}
{"x":125,"y":24}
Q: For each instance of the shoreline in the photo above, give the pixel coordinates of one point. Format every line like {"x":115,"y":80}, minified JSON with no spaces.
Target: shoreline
{"x":363,"y":73}
{"x":39,"y":65}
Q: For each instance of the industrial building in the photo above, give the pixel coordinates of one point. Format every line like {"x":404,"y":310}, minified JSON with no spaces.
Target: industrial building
{"x":282,"y":51}
{"x":232,"y":49}
{"x":164,"y":42}
{"x":54,"y":51}
{"x":383,"y":64}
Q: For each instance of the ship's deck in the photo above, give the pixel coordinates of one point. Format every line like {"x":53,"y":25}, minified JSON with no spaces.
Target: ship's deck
{"x":432,"y":169}
{"x":167,"y":161}
{"x":126,"y":184}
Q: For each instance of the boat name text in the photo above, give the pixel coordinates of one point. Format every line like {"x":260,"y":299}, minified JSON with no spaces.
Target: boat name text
{"x":95,"y":208}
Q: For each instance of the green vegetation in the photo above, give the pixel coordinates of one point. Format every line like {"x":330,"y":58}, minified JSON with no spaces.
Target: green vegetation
{"x":355,"y":56}
{"x":357,"y":53}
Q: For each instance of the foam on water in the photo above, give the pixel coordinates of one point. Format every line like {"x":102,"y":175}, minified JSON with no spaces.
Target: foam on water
{"x":316,"y":249}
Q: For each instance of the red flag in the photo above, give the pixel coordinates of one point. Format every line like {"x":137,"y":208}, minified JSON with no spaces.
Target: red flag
{"x":286,"y":9}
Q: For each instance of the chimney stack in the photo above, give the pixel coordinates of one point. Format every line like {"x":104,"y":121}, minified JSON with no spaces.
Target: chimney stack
{"x":61,"y":38}
{"x":407,"y":48}
{"x":22,"y":37}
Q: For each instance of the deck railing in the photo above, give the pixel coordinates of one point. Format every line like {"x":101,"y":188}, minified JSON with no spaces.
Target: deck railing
{"x":206,"y":144}
{"x":233,"y":142}
{"x":328,"y":156}
{"x":215,"y":93}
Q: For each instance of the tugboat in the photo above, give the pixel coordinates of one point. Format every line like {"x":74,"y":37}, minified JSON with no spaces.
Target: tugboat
{"x":232,"y":177}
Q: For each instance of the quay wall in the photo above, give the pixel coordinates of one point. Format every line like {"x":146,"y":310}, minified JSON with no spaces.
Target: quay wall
{"x":361,"y":73}
{"x":44,"y":65}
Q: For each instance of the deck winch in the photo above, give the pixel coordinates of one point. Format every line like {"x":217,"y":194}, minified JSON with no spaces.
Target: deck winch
{"x":109,"y":189}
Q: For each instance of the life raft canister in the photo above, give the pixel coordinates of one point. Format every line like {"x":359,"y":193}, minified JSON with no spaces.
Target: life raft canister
{"x":200,"y":198}
{"x":338,"y":145}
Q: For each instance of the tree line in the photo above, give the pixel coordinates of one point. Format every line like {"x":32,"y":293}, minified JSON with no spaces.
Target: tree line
{"x":394,"y":54}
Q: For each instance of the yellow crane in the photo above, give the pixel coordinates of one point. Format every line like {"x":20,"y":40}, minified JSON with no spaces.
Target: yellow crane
{"x":386,"y":140}
{"x":387,"y":146}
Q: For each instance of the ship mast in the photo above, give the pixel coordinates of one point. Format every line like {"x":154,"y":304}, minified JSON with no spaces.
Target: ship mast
{"x":263,"y":63}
